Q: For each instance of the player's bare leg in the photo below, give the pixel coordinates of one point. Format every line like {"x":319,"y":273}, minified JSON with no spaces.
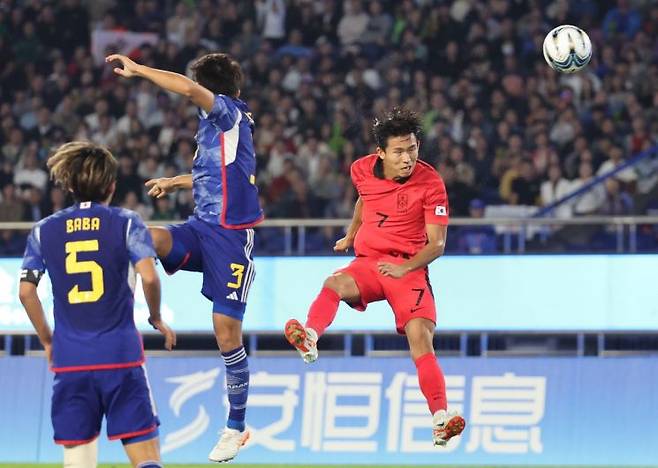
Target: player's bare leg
{"x":228,"y":332}
{"x":162,"y":240}
{"x":322,"y":312}
{"x":144,"y":454}
{"x":446,"y":425}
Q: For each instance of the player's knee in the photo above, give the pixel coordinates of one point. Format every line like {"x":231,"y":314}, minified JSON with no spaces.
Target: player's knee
{"x":332,"y":283}
{"x":340,"y":284}
{"x":228,"y":332}
{"x":162,"y":241}
{"x":81,"y":456}
{"x":420,"y":334}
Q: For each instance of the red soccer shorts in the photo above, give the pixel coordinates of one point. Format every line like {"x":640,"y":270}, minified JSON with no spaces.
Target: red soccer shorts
{"x":410,"y":296}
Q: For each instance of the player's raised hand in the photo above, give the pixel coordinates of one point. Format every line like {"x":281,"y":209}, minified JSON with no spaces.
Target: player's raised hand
{"x":344,"y":244}
{"x":392,"y":270}
{"x":129,"y":67}
{"x":161,"y":187}
{"x":168,"y":333}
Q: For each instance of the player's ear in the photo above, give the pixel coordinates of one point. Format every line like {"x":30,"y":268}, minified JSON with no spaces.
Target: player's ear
{"x":380,"y":152}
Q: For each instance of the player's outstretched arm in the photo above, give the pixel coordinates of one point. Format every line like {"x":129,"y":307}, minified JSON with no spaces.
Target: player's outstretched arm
{"x":436,"y":242}
{"x":343,"y":244}
{"x":27,"y":293}
{"x":174,"y":82}
{"x":151,"y":285}
{"x":163,"y":186}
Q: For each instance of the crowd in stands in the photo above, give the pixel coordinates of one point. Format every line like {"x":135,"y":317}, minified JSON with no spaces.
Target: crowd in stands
{"x":501,"y":127}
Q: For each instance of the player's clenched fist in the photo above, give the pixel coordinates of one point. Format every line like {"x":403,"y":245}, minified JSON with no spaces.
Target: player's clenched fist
{"x":129,"y":69}
{"x":158,"y":188}
{"x":344,"y":244}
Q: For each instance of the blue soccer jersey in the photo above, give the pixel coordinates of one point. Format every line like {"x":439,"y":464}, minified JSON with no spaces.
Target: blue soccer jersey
{"x":89,"y":251}
{"x":224,"y":170}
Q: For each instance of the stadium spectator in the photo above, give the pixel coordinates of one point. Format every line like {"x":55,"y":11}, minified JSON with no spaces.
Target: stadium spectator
{"x":12,"y":208}
{"x":30,"y":173}
{"x":316,"y":74}
{"x":272,"y":18}
{"x":590,"y":201}
{"x":34,"y":208}
{"x":56,"y":202}
{"x":131,"y":202}
{"x":554,"y":189}
{"x":525,"y":187}
{"x":353,"y":24}
{"x":616,"y":201}
{"x":617,"y":158}
{"x":128,"y":180}
{"x":622,"y":20}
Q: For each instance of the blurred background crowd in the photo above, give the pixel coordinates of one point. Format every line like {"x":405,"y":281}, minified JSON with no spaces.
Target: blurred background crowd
{"x":501,"y":127}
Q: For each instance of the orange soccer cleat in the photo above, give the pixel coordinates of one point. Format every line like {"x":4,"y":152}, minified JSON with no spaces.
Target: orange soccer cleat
{"x":303,"y":339}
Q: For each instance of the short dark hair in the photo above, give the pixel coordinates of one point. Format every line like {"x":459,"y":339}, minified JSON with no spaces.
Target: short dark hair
{"x":219,"y":73}
{"x":85,"y":169}
{"x":398,"y":122}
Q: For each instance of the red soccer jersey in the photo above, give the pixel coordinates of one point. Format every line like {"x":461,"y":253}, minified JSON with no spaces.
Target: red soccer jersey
{"x":394,"y":214}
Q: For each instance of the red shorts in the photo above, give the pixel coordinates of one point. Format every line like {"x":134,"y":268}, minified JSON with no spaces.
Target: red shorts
{"x":410,"y":297}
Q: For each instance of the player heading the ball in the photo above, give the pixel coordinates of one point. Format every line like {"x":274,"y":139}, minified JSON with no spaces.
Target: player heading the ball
{"x":399,"y":227}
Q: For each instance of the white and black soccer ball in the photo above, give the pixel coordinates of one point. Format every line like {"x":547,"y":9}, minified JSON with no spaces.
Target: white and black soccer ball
{"x":567,"y":48}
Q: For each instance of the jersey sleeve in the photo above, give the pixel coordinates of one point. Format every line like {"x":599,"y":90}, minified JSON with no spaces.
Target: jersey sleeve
{"x":435,"y":204}
{"x":223,"y":114}
{"x":33,"y":258}
{"x":138,"y":239}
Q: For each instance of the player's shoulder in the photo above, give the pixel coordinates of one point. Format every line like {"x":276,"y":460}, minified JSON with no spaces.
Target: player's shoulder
{"x":230,"y":102}
{"x":427,"y":173}
{"x":124,"y":213}
{"x":364,"y":164}
{"x":219,"y":100}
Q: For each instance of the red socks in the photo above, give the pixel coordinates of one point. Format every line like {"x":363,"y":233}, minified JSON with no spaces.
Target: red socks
{"x":430,"y":377}
{"x":432,"y":383}
{"x":323,"y":310}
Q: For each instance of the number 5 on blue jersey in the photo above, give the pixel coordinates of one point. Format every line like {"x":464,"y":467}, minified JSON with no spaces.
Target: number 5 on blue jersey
{"x":73,"y":266}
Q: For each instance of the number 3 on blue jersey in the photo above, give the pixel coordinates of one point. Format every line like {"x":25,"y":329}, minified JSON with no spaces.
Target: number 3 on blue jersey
{"x":238,"y":272}
{"x":73,"y":266}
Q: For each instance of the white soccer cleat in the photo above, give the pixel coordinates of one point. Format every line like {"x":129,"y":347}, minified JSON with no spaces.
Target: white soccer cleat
{"x":446,"y":425}
{"x":228,"y":446}
{"x":303,"y":339}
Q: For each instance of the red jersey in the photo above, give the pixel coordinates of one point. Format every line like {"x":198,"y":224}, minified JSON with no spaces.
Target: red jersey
{"x":395,"y":214}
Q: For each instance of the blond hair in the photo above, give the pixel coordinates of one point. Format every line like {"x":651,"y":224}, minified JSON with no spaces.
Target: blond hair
{"x":85,"y":169}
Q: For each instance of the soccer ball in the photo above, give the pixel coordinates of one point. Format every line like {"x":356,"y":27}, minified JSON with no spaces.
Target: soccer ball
{"x":567,"y":48}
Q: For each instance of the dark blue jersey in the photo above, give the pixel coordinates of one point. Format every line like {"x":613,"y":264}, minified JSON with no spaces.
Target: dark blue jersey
{"x":224,"y":169}
{"x":89,"y":251}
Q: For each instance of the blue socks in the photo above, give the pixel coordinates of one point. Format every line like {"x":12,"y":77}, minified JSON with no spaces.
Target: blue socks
{"x":237,"y":386}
